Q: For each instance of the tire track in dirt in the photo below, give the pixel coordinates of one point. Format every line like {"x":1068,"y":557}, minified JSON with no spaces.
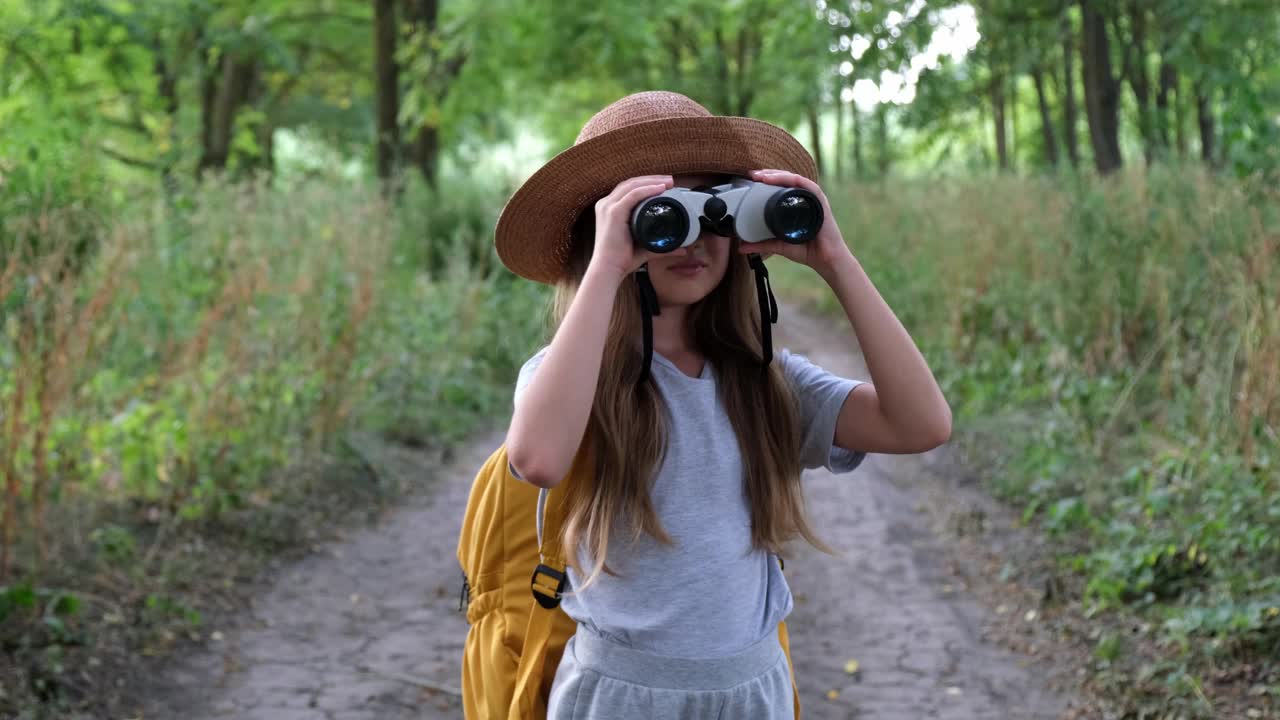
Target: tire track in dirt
{"x":355,"y":631}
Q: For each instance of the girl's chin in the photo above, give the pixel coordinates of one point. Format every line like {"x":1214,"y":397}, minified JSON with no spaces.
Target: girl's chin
{"x":681,"y":296}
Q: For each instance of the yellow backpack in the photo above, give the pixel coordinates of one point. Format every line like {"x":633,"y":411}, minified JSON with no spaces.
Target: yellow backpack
{"x":514,"y":572}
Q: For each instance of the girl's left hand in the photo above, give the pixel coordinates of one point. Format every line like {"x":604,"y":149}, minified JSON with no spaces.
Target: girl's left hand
{"x":822,"y":252}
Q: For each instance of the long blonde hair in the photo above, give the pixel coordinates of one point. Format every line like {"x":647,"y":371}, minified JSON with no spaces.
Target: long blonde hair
{"x":627,"y":431}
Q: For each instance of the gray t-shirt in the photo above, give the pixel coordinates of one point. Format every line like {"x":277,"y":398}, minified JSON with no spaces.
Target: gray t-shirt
{"x":711,"y":594}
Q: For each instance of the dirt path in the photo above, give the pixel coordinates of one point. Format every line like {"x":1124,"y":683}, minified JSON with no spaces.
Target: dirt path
{"x":358,"y":630}
{"x":889,"y":600}
{"x":349,"y":632}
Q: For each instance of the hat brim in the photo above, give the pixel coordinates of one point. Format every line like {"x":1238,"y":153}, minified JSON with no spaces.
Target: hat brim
{"x":534,"y":232}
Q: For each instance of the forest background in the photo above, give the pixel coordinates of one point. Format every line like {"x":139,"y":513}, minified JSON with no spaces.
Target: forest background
{"x":237,"y":237}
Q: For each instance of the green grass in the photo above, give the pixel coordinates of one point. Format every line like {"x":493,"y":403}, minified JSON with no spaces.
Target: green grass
{"x":1112,"y":348}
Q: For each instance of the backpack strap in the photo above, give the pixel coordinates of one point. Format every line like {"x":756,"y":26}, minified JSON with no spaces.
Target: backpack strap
{"x":548,"y":585}
{"x":784,"y":639}
{"x":549,"y":576}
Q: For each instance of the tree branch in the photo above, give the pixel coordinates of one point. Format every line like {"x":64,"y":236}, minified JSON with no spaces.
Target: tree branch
{"x":128,"y":160}
{"x":317,"y":16}
{"x":16,"y":50}
{"x":1126,"y":52}
{"x":287,"y":87}
{"x":454,"y":66}
{"x":132,"y":125}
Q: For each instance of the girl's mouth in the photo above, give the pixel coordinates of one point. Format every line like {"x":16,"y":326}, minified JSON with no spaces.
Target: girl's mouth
{"x":687,"y":269}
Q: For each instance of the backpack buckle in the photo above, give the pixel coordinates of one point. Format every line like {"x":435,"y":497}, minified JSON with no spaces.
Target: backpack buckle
{"x":547,"y":595}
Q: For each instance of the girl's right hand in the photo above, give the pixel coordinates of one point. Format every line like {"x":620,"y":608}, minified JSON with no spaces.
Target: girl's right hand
{"x":615,"y":252}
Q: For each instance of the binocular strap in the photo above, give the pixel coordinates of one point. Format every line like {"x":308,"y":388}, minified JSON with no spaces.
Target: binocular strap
{"x":764,"y":293}
{"x":768,"y":307}
{"x":648,"y":308}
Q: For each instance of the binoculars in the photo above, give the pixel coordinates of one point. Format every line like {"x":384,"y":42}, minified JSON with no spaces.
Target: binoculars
{"x":742,"y":208}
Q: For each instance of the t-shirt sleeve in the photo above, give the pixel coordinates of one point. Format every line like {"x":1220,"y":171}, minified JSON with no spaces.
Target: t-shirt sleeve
{"x":527,"y":370}
{"x":522,"y":381}
{"x":821,"y":395}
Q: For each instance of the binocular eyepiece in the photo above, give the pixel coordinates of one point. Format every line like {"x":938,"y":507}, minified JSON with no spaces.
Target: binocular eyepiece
{"x":742,"y":208}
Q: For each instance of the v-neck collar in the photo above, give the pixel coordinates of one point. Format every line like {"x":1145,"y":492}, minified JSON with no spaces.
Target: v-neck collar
{"x":706,"y":367}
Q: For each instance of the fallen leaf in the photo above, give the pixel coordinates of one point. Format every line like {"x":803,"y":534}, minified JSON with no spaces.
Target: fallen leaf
{"x":851,"y":667}
{"x":833,"y":694}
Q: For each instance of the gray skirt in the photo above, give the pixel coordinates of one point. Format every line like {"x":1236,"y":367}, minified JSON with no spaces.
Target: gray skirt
{"x":599,"y":679}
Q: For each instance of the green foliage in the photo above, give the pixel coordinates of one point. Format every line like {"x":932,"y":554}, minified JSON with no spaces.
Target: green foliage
{"x":53,"y":609}
{"x":745,"y":57}
{"x":1102,"y":344}
{"x":114,"y":544}
{"x":132,"y":86}
{"x":46,"y":172}
{"x":161,"y":609}
{"x":215,"y":340}
{"x":252,"y":325}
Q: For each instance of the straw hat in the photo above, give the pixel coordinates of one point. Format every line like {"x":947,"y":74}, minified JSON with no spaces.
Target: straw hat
{"x":646,"y":133}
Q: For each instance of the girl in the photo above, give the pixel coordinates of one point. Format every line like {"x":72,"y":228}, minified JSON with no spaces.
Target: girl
{"x":699,"y":435}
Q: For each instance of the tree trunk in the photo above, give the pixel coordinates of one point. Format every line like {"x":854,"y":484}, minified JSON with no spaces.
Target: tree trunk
{"x":426,"y":153}
{"x":1046,"y":117}
{"x":1138,"y":79}
{"x":1069,"y":115}
{"x":882,"y":138}
{"x":238,"y":77}
{"x":1168,"y":86}
{"x":838,"y":151}
{"x":1180,"y":117}
{"x":167,"y":89}
{"x":386,"y":79}
{"x":208,"y":96}
{"x":1101,"y":94}
{"x":1012,"y":104}
{"x":855,"y":117}
{"x":748,"y":51}
{"x":1204,"y":117}
{"x":266,"y":142}
{"x":166,"y":86}
{"x":997,"y":120}
{"x":816,"y":135}
{"x":254,"y":97}
{"x":424,"y":17}
{"x":723,"y":101}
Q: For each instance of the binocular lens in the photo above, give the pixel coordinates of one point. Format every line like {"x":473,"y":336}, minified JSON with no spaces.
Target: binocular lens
{"x":794,"y":216}
{"x":661,"y":225}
